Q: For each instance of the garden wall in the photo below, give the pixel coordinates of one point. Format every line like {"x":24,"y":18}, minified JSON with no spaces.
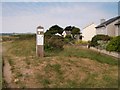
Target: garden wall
{"x":114,"y":54}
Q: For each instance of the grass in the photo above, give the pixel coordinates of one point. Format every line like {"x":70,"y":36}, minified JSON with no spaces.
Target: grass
{"x":55,"y":67}
{"x":24,"y":48}
{"x":74,"y":67}
{"x":45,"y":82}
{"x":86,"y":53}
{"x":28,"y":49}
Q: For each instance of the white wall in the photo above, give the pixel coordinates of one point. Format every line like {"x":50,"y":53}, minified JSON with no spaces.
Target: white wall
{"x":89,"y":32}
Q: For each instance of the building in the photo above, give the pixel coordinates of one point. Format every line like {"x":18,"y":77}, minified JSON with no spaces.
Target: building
{"x":57,"y":34}
{"x":109,"y":27}
{"x":65,"y":33}
{"x":88,"y":32}
{"x":117,"y":28}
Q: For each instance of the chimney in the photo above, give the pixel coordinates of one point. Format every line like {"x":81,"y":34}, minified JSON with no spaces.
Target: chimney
{"x":102,"y":20}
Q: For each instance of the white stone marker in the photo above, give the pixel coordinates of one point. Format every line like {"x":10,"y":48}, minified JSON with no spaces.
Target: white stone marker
{"x":40,"y":41}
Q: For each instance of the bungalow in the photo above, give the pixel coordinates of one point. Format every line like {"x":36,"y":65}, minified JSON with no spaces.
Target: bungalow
{"x":109,"y":27}
{"x":88,"y":32}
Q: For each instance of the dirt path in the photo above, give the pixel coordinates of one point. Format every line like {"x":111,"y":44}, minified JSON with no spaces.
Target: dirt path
{"x":7,"y":73}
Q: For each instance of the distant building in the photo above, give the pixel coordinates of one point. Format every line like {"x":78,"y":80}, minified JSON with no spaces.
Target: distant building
{"x":109,"y":27}
{"x":88,"y":32}
{"x":65,"y":33}
{"x":58,"y":34}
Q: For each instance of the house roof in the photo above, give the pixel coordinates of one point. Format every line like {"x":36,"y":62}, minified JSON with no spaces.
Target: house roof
{"x":88,"y":25}
{"x":108,"y":22}
{"x":118,"y":23}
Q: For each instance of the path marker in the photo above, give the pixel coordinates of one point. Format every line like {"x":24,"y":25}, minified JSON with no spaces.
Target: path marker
{"x":40,"y":41}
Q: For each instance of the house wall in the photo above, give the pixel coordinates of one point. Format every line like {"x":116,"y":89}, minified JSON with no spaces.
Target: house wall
{"x":89,"y":32}
{"x":118,"y":30}
{"x":101,"y":30}
{"x":117,"y":33}
{"x":111,"y":29}
{"x":64,"y":34}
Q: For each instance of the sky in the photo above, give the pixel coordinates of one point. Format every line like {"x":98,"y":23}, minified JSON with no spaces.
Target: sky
{"x":59,"y":0}
{"x":24,"y":17}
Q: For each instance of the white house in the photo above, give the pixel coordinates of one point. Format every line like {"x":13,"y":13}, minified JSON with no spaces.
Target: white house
{"x":88,"y":32}
{"x":57,"y":34}
{"x":65,"y":33}
{"x":108,"y":27}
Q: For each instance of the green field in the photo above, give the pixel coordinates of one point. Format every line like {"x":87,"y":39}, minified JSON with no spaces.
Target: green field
{"x":74,"y":67}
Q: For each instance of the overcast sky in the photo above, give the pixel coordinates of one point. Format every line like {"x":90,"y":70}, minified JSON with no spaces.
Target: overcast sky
{"x":22,"y":17}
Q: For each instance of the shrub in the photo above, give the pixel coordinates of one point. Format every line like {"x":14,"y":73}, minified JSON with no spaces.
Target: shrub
{"x":25,"y":36}
{"x":114,"y":44}
{"x":8,"y":38}
{"x":54,"y":43}
{"x":68,"y":38}
{"x":80,"y":42}
{"x":96,"y":38}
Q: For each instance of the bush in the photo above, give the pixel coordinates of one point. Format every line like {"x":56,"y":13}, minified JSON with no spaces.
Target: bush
{"x":80,"y":42}
{"x":54,"y":43}
{"x":114,"y":44}
{"x":8,"y":38}
{"x":68,"y":38}
{"x":96,"y":38}
{"x":25,"y":36}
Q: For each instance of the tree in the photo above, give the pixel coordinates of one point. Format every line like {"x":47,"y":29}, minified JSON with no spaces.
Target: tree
{"x":54,"y":29}
{"x":75,"y":31}
{"x":68,"y":28}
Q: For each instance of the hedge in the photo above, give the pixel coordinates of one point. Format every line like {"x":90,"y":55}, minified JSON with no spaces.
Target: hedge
{"x":96,"y":38}
{"x":114,"y":44}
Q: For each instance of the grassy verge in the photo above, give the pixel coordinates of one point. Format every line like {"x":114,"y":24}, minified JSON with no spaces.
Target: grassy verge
{"x":70,"y":51}
{"x":74,"y":67}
